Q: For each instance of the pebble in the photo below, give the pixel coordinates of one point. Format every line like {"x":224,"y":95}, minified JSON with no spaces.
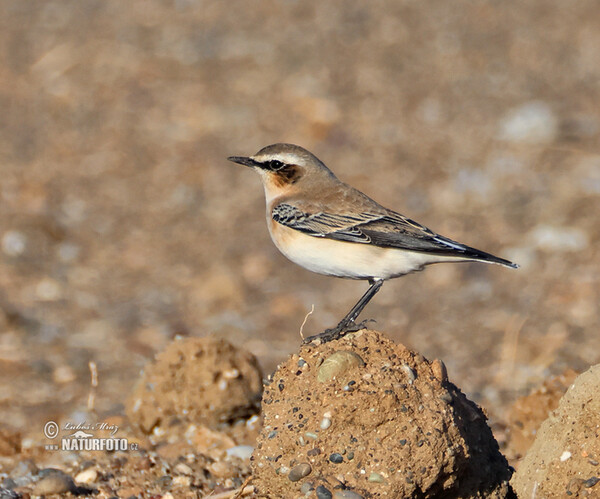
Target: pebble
{"x":565,"y":455}
{"x":559,"y":239}
{"x":323,"y":493}
{"x":346,"y":494}
{"x":241,"y":451}
{"x":53,"y":481}
{"x":182,"y":481}
{"x":184,"y":469}
{"x":376,"y":477}
{"x":87,"y":476}
{"x":13,"y":243}
{"x":325,"y":423}
{"x":336,"y":458}
{"x":9,"y":494}
{"x":299,"y":471}
{"x":531,"y":123}
{"x":307,"y":487}
{"x":439,"y":370}
{"x":590,"y":482}
{"x":410,"y":374}
{"x":338,"y":363}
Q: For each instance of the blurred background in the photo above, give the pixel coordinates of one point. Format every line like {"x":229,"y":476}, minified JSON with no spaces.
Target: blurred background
{"x":123,"y":225}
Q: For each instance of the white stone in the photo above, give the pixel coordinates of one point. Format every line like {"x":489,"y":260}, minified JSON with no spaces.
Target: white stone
{"x":531,"y":123}
{"x":13,"y":242}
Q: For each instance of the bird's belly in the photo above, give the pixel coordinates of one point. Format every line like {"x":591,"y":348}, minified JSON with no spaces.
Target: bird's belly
{"x":345,"y":259}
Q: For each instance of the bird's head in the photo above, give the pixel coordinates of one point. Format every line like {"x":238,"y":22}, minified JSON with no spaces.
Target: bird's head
{"x":282,"y":166}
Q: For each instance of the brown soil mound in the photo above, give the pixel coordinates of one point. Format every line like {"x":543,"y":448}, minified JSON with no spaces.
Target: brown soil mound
{"x":204,"y":381}
{"x":529,"y":412}
{"x":564,"y":460}
{"x":364,"y":417}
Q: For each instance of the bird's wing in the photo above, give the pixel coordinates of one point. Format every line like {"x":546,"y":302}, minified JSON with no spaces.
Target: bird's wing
{"x":384,"y":228}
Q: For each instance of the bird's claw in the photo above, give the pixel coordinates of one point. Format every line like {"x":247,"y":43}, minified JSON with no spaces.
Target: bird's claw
{"x":335,"y":333}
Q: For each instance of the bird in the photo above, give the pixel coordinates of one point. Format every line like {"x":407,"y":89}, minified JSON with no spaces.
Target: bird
{"x":328,"y":227}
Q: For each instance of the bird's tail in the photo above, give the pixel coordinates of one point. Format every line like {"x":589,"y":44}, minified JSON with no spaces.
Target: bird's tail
{"x":469,"y":253}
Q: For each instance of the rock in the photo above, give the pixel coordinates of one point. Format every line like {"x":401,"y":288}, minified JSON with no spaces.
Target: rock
{"x":53,"y":481}
{"x":299,"y":471}
{"x":528,"y":413}
{"x":337,"y":364}
{"x":387,"y":438}
{"x":558,"y":239}
{"x":346,"y":494}
{"x":323,"y":492}
{"x":563,"y":461}
{"x":86,"y":476}
{"x":241,"y":451}
{"x":531,"y":123}
{"x":203,"y":381}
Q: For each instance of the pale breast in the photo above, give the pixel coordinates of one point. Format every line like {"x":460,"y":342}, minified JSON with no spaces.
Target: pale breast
{"x":345,"y":259}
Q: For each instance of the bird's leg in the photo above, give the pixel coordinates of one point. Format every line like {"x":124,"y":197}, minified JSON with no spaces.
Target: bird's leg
{"x":347,"y":324}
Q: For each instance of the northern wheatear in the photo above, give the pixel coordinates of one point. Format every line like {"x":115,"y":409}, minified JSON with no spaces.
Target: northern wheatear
{"x":327,"y":226}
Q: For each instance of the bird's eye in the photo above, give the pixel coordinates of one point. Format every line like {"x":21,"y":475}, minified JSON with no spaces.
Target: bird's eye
{"x":275,"y":165}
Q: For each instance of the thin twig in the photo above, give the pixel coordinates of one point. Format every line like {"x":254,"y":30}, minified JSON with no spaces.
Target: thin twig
{"x":91,"y":405}
{"x":312,"y":309}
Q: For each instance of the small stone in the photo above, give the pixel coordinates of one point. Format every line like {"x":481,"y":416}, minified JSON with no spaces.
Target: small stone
{"x":325,"y":423}
{"x":299,"y":471}
{"x":439,"y":370}
{"x":376,"y":477}
{"x":336,"y":458}
{"x":338,"y":363}
{"x":53,"y":481}
{"x":410,"y":374}
{"x":242,"y":451}
{"x":323,"y":493}
{"x":182,"y":481}
{"x":6,"y":493}
{"x":559,"y":238}
{"x":532,"y":123}
{"x":346,"y":494}
{"x":565,"y":455}
{"x":310,"y":434}
{"x":13,"y":242}
{"x":307,"y":487}
{"x":184,"y":469}
{"x":590,"y":482}
{"x":87,"y":476}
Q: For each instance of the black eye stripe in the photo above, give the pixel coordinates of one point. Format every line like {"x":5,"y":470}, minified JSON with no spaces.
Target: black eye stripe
{"x":275,"y":165}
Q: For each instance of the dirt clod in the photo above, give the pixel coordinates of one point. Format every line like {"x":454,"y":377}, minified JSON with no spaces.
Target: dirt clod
{"x":204,"y":381}
{"x":563,"y":460}
{"x":397,"y":427}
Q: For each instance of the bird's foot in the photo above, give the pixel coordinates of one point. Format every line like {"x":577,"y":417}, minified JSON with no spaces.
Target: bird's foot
{"x":335,"y":333}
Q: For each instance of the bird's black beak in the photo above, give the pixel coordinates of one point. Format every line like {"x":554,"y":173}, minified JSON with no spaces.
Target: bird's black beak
{"x":243,"y":160}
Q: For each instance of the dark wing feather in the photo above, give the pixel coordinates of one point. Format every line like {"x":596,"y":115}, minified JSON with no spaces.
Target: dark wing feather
{"x":387,"y":230}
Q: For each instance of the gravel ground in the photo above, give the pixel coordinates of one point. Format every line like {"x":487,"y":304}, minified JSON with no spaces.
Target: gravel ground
{"x":122,"y":225}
